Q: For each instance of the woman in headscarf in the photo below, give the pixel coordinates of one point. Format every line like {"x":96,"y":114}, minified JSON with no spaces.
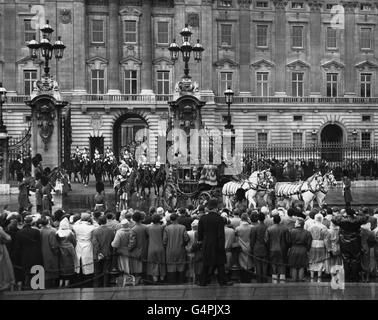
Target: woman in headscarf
{"x":121,"y":243}
{"x":300,"y":243}
{"x":7,"y":279}
{"x":67,"y":255}
{"x":318,"y":252}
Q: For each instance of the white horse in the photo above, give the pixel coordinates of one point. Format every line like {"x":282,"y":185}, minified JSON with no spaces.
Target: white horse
{"x":265,"y":181}
{"x":328,"y":181}
{"x":303,"y":190}
{"x":230,"y":188}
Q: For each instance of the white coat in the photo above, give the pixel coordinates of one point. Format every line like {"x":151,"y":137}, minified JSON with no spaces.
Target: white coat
{"x":84,"y":247}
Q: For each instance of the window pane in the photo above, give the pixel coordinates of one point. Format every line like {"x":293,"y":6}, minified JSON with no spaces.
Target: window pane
{"x":297,"y":139}
{"x":130,"y":31}
{"x":97,"y":31}
{"x":262,"y":139}
{"x":297,"y":36}
{"x":226,"y":30}
{"x":262,"y":33}
{"x":365,"y":35}
{"x":162,"y":32}
{"x":331,"y":38}
{"x":29,"y":32}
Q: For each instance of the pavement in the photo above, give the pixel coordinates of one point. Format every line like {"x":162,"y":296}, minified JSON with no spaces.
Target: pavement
{"x":288,"y":291}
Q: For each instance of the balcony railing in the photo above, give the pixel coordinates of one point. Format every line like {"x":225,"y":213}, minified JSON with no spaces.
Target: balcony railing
{"x":164,"y":98}
{"x":309,"y":100}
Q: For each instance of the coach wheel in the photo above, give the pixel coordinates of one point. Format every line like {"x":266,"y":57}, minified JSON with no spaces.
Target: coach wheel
{"x":203,"y":198}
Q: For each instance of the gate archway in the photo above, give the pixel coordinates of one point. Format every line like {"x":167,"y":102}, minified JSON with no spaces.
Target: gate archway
{"x":128,"y":128}
{"x":331,"y":138}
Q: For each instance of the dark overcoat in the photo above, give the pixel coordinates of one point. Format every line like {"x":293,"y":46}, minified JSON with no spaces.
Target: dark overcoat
{"x":347,"y":192}
{"x":28,"y":248}
{"x":211,"y":234}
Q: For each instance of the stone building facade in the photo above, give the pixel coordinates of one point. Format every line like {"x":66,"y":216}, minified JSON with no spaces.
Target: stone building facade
{"x":302,"y":71}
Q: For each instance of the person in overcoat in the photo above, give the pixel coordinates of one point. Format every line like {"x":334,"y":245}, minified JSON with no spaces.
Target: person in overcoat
{"x":299,"y":245}
{"x":276,"y":237}
{"x":138,"y":246}
{"x":102,"y":252}
{"x":156,"y":252}
{"x":259,"y":249}
{"x":175,"y":239}
{"x":211,"y":235}
{"x":368,"y":241}
{"x":28,"y":250}
{"x":67,"y":254}
{"x":243,"y":235}
{"x":121,"y":245}
{"x":350,"y":242}
{"x":7,"y":278}
{"x":50,"y":249}
{"x":23,"y":194}
{"x":83,"y":230}
{"x":347,"y":192}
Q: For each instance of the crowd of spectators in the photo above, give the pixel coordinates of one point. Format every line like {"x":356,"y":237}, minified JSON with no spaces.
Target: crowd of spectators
{"x":185,"y":245}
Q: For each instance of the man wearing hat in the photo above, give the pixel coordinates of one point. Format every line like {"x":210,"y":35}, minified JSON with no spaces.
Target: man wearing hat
{"x":211,"y":236}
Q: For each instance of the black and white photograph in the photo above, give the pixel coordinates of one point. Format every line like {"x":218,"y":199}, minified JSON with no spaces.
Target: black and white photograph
{"x":188,"y":150}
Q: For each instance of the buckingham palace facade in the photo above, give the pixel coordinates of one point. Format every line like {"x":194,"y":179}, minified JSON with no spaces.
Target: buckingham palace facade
{"x":303,"y":71}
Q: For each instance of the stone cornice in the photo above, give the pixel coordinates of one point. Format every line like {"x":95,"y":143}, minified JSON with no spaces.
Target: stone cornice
{"x":349,"y":6}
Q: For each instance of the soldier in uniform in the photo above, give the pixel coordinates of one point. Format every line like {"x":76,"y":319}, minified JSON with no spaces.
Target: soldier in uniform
{"x":85,"y":154}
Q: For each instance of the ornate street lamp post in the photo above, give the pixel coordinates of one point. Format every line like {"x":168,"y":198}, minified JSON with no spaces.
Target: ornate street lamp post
{"x":186,"y":49}
{"x":46,"y":47}
{"x":3,"y":99}
{"x":229,"y":95}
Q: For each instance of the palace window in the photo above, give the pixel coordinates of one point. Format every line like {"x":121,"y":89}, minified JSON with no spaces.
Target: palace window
{"x":262,"y":4}
{"x":297,"y":5}
{"x":297,"y":37}
{"x":366,"y":118}
{"x":163,"y":32}
{"x":365,"y":84}
{"x":30,"y":76}
{"x":366,"y":38}
{"x":365,"y":6}
{"x":365,"y":139}
{"x":225,"y":81}
{"x":97,"y":31}
{"x":162,"y":82}
{"x":331,"y":81}
{"x":297,"y":84}
{"x":29,"y":32}
{"x":262,"y":35}
{"x":262,"y":139}
{"x":225,"y":3}
{"x":130,"y":82}
{"x":97,"y":81}
{"x":130,"y":31}
{"x":297,"y":118}
{"x":331,"y":38}
{"x":297,"y":139}
{"x":262,"y":81}
{"x":226,"y":34}
{"x":262,"y":118}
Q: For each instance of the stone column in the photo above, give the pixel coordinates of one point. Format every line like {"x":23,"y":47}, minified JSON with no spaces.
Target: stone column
{"x":245,"y":47}
{"x":146,"y":48}
{"x":10,"y":47}
{"x":79,"y":76}
{"x":113,"y":48}
{"x":207,"y":40}
{"x":349,"y":45}
{"x":280,"y":47}
{"x":315,"y":53}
